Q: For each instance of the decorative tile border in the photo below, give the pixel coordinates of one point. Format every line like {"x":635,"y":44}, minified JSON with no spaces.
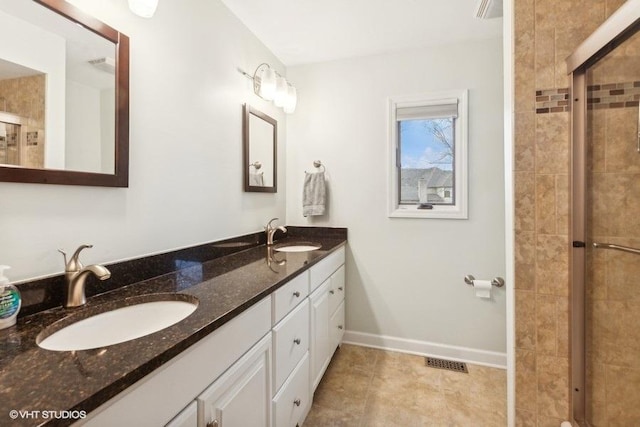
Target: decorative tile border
{"x":602,"y":96}
{"x":613,"y":95}
{"x":552,"y":100}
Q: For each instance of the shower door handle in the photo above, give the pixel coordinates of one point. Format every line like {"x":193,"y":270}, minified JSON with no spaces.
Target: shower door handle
{"x":616,"y":247}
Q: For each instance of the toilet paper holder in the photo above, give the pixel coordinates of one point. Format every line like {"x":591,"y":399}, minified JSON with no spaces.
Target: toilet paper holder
{"x":498,"y":282}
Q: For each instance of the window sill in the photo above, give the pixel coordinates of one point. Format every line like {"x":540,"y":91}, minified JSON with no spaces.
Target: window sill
{"x":438,"y":212}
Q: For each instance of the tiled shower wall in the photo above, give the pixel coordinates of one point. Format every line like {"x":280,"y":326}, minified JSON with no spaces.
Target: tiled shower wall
{"x":546,"y":32}
{"x":25,"y":97}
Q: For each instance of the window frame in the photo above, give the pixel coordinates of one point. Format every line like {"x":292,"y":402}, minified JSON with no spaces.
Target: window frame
{"x":459,"y":210}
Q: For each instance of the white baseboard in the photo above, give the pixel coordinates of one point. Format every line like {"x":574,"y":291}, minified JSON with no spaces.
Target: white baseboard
{"x":424,"y":348}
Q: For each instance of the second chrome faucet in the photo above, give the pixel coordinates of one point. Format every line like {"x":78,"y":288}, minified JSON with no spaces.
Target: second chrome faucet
{"x":271,"y":231}
{"x":75,"y":275}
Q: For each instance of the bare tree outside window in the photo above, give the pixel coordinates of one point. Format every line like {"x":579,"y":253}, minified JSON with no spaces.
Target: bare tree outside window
{"x":442,"y":131}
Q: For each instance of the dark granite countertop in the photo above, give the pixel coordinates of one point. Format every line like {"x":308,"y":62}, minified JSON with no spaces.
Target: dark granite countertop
{"x":36,"y":380}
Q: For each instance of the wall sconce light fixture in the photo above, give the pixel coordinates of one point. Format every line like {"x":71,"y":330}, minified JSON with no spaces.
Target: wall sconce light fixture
{"x":271,"y":86}
{"x":143,"y":8}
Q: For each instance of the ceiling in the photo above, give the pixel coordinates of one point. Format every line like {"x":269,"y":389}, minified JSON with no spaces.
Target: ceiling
{"x":307,"y":31}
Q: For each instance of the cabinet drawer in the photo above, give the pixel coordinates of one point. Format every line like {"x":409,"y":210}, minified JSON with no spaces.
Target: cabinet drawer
{"x":290,"y":295}
{"x":336,"y":291}
{"x":336,"y":327}
{"x":290,"y":342}
{"x":293,"y":400}
{"x":321,"y":271}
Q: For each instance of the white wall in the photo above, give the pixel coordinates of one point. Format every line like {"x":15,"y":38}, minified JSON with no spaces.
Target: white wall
{"x":107,"y":130}
{"x":405,"y":276}
{"x":90,"y":133}
{"x":82,"y":148}
{"x":186,"y":149}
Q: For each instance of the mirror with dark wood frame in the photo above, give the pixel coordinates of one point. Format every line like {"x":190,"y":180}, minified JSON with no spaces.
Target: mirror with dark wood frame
{"x":76,"y":70}
{"x":260,"y":134}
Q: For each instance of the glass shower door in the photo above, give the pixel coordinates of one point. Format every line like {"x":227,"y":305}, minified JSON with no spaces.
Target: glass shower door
{"x":612,"y":232}
{"x":9,"y":144}
{"x":3,"y":144}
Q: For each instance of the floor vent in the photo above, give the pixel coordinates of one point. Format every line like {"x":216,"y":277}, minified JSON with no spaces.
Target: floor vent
{"x":449,"y":365}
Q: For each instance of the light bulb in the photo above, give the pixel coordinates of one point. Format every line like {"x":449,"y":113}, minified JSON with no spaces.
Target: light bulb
{"x":292,"y":100}
{"x":268,"y":84}
{"x":281,"y":92}
{"x":143,"y":8}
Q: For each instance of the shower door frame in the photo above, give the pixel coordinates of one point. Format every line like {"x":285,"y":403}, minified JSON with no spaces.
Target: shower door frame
{"x":616,"y":29}
{"x":577,"y":253}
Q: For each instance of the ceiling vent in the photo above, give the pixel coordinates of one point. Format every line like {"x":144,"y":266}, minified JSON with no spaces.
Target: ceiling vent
{"x":487,"y":9}
{"x":106,"y":64}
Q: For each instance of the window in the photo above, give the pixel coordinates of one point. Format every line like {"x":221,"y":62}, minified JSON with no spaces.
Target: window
{"x":426,"y":150}
{"x":428,"y":156}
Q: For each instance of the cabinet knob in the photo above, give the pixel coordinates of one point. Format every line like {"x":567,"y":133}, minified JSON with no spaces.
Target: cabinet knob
{"x":297,"y":402}
{"x":339,"y":326}
{"x":213,"y":423}
{"x":297,"y":341}
{"x":296,"y":294}
{"x":332,"y":292}
{"x":340,"y":288}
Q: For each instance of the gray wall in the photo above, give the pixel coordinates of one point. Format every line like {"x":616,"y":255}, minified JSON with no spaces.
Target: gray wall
{"x":405,"y":276}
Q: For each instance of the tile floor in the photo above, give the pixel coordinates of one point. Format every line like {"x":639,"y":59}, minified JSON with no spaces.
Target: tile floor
{"x":365,"y":387}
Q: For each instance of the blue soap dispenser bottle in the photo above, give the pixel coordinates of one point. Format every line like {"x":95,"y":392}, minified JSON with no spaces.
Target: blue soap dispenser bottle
{"x":10,"y":300}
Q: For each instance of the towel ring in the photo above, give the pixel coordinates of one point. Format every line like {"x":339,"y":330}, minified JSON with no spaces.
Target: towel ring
{"x":318,"y":164}
{"x":256,"y":164}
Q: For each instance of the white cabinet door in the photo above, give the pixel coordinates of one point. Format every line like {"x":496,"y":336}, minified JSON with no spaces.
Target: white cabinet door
{"x":336,"y":326}
{"x":241,"y":396}
{"x":336,"y":289}
{"x":319,"y":337}
{"x":188,"y":417}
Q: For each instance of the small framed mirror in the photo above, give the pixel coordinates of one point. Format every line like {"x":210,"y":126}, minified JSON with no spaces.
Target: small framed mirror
{"x":64,"y":96}
{"x":260,"y":134}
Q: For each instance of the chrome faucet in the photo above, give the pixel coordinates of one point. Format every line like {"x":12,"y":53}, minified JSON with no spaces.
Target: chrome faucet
{"x":270,"y":230}
{"x":75,"y":275}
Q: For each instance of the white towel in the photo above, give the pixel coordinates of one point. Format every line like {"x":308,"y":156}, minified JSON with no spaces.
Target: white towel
{"x":256,"y":179}
{"x":313,"y":194}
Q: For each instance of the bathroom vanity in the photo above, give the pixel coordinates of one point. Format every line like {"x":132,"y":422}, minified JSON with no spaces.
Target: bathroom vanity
{"x":266,"y":327}
{"x":253,"y":371}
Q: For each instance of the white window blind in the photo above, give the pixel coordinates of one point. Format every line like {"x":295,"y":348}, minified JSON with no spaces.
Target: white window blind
{"x":443,"y":109}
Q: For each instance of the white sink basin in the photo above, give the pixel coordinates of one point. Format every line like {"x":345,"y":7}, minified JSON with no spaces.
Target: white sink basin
{"x":297,"y":247}
{"x":117,"y":326}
